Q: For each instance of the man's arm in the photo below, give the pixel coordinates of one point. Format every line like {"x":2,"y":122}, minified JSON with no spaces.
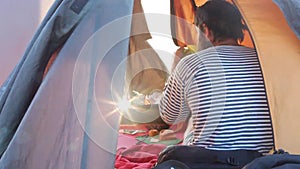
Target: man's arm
{"x":173,"y":108}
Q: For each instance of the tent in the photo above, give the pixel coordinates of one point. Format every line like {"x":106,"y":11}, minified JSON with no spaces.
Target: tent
{"x":57,"y":107}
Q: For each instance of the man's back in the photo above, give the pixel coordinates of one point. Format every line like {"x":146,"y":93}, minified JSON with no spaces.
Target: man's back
{"x":223,"y":91}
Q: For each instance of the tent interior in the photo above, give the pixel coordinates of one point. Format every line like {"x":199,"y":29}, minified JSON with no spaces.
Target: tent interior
{"x":65,"y":102}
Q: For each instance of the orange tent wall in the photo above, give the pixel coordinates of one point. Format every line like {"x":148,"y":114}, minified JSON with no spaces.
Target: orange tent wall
{"x":279,"y":53}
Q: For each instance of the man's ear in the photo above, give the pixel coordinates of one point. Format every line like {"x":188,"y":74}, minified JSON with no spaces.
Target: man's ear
{"x":208,"y":33}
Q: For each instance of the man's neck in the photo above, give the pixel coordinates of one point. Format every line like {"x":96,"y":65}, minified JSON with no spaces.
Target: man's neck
{"x":231,"y":42}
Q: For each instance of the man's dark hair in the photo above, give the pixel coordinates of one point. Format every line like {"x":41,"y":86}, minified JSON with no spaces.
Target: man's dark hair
{"x":222,"y":18}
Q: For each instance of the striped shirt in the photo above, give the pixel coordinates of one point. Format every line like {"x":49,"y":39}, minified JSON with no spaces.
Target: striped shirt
{"x":221,"y":92}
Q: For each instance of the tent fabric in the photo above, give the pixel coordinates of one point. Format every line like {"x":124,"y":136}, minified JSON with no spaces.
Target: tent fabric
{"x":291,"y":10}
{"x":181,"y":25}
{"x":27,"y":76}
{"x":6,"y":86}
{"x":145,"y":71}
{"x":61,"y":127}
{"x":278,"y":50}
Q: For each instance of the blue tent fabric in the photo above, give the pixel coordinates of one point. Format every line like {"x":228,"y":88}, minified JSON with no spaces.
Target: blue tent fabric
{"x":27,"y":76}
{"x":7,"y":85}
{"x":290,"y":9}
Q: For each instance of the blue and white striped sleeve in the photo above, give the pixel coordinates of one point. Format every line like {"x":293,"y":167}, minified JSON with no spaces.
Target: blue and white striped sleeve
{"x":173,"y":108}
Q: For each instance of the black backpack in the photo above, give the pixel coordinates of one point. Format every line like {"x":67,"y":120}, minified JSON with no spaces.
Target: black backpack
{"x":279,"y":160}
{"x":195,"y":157}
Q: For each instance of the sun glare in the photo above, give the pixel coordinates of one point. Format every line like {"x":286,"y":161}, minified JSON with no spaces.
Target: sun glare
{"x":124,"y":105}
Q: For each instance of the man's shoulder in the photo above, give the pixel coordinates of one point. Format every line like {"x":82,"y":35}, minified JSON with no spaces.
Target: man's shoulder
{"x":190,"y":63}
{"x":198,"y":56}
{"x":215,"y":51}
{"x":210,"y":54}
{"x":234,"y":49}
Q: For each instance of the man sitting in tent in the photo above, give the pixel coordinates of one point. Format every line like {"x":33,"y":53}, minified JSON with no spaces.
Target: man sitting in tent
{"x":220,"y":92}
